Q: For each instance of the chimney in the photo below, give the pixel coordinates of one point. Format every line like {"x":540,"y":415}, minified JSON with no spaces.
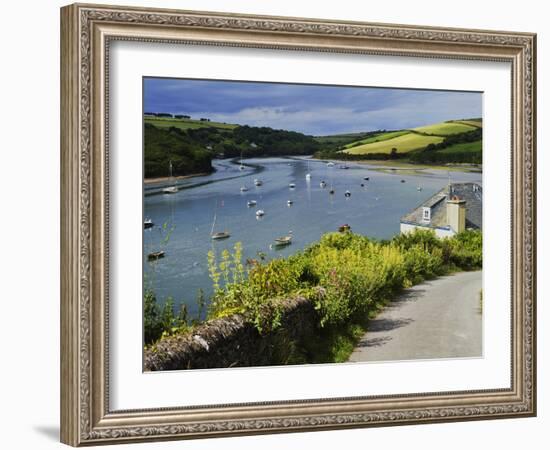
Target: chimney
{"x":456,"y":214}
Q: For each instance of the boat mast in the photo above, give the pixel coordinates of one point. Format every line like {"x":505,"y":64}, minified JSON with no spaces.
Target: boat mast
{"x":214,"y":221}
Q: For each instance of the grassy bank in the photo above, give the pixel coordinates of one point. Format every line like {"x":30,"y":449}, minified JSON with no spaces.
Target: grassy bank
{"x":348,"y":278}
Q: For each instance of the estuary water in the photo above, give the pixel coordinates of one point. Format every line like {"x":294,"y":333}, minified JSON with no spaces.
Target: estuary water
{"x":183,"y":221}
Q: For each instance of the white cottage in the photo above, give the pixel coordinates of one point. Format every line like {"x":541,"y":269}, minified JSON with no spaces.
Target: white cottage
{"x":455,"y":208}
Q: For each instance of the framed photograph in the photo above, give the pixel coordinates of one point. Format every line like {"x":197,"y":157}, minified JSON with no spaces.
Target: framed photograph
{"x":276,"y":224}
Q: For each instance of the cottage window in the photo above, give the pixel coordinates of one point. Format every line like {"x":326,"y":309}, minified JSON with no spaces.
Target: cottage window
{"x":426,"y":214}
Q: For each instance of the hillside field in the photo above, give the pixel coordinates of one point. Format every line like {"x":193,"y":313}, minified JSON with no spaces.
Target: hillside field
{"x":466,"y":147}
{"x":418,"y":138}
{"x":186,"y":124}
{"x":403,"y":143}
{"x":377,"y":138}
{"x":445,"y":128}
{"x":472,"y":122}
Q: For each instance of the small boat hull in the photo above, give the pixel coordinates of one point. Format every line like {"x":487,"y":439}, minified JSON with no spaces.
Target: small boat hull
{"x":283,"y":241}
{"x":155,"y":256}
{"x":220,"y":235}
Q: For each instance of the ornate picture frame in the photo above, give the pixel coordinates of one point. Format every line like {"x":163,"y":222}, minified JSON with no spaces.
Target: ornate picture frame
{"x":87,"y":32}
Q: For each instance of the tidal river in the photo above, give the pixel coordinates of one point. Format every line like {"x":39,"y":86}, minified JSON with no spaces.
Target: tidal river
{"x":373,"y":210}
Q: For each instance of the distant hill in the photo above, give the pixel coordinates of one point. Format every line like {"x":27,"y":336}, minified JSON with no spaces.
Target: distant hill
{"x":186,"y":124}
{"x":409,"y":140}
{"x":162,"y":145}
{"x":192,"y":144}
{"x":403,"y":143}
{"x":450,"y":141}
{"x":445,"y":128}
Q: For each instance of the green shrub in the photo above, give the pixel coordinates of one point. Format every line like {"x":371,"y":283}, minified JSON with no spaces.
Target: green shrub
{"x":345,"y":275}
{"x":160,"y":321}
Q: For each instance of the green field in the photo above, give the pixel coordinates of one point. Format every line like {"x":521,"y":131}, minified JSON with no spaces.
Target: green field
{"x":471,"y":122}
{"x":466,"y":147}
{"x":341,"y":139}
{"x":403,"y":143}
{"x":445,"y":128}
{"x":378,"y":138}
{"x":186,"y":124}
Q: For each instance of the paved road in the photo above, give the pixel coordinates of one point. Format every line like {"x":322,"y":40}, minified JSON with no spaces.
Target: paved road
{"x":436,"y":319}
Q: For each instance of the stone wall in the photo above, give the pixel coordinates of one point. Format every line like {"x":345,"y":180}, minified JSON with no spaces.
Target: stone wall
{"x":234,"y":342}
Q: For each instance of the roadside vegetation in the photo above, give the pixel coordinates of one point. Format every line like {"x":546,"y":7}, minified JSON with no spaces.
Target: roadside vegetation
{"x":347,"y":277}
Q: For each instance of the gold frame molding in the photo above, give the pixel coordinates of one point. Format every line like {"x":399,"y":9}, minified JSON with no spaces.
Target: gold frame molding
{"x":86,"y":31}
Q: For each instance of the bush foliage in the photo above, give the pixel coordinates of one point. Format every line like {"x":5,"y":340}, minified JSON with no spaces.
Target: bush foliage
{"x":344,"y":274}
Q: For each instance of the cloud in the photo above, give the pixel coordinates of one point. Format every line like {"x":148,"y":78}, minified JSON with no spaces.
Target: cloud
{"x":311,"y":109}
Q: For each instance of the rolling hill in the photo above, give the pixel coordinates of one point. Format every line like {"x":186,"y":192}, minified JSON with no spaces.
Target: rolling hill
{"x":405,"y":141}
{"x":190,"y":145}
{"x":186,"y":124}
{"x":445,"y":128}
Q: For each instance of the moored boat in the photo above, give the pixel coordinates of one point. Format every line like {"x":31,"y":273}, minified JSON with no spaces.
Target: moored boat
{"x":221,"y":235}
{"x":170,"y":189}
{"x":344,"y":227}
{"x":282,"y":241}
{"x":251,"y":203}
{"x":260,"y":213}
{"x":148,"y":223}
{"x":155,"y":255}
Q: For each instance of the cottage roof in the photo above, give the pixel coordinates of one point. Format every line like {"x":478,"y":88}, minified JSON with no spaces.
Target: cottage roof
{"x":472,"y":193}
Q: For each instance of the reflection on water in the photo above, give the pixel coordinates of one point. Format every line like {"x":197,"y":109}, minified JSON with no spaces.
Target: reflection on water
{"x":373,"y":209}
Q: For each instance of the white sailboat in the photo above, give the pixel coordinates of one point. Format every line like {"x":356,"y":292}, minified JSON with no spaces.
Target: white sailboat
{"x":241,"y":167}
{"x":219,"y":234}
{"x":308,"y":174}
{"x":171,"y":189}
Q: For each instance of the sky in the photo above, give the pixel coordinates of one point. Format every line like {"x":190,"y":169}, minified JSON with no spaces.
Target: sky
{"x":311,"y":109}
